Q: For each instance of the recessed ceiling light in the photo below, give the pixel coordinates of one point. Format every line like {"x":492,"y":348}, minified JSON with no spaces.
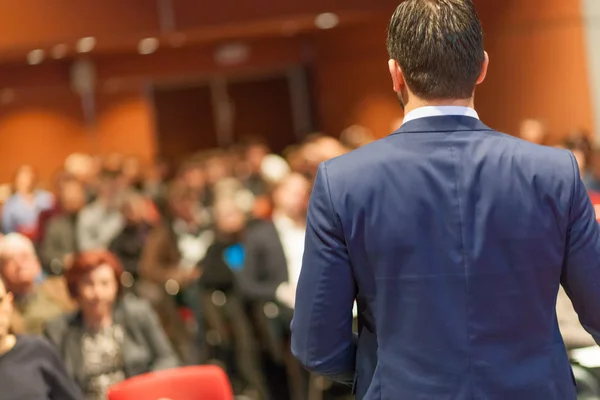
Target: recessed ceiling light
{"x":232,"y":54}
{"x":148,"y":45}
{"x":327,"y":20}
{"x":59,"y":51}
{"x":86,"y":44}
{"x":35,"y":56}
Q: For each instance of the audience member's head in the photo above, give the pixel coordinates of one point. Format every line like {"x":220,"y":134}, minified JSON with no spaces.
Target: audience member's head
{"x":108,"y":189}
{"x":19,"y":265}
{"x":132,"y":172}
{"x":291,"y":196}
{"x":25,"y":179}
{"x":356,"y":136}
{"x":217,"y":167}
{"x":79,"y":165}
{"x":6,"y":308}
{"x":193,"y":174}
{"x":113,"y":163}
{"x":274,"y":169}
{"x":93,"y":282}
{"x":255,"y":151}
{"x":182,"y":202}
{"x":135,"y":209}
{"x":230,"y":218}
{"x":533,"y":130}
{"x":580,"y":146}
{"x":72,"y":196}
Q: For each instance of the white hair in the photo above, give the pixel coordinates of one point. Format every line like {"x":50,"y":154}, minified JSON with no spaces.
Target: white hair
{"x":14,"y":241}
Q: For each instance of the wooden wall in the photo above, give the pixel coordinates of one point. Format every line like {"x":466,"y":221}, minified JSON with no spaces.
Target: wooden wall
{"x":538,"y":69}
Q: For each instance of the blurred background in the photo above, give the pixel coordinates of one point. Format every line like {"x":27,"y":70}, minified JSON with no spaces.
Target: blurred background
{"x":174,"y":143}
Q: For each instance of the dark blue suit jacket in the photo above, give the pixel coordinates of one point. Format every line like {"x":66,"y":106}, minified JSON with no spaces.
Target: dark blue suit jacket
{"x":454,"y":238}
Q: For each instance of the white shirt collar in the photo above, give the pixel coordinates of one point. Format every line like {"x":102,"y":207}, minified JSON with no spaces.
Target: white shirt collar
{"x":438,"y":111}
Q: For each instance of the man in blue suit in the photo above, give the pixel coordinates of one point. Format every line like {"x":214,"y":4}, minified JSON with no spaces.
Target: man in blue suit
{"x":453,"y":239}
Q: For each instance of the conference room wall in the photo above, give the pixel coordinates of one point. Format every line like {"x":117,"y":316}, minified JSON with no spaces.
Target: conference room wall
{"x":538,"y":69}
{"x":539,"y":66}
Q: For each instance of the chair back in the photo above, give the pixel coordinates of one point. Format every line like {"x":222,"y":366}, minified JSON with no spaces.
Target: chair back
{"x":203,"y":382}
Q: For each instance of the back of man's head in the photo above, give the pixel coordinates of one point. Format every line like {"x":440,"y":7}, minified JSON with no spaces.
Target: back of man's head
{"x":438,"y":44}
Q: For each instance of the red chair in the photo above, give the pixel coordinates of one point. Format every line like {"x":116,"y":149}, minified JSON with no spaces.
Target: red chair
{"x":204,"y":382}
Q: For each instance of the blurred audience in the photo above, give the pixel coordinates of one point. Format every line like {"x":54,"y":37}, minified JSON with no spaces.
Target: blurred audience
{"x":37,"y":299}
{"x":534,"y":131}
{"x":60,"y":240}
{"x":228,"y":328}
{"x":30,"y":368}
{"x":22,"y":210}
{"x":143,"y":271}
{"x":129,"y":243}
{"x":110,"y":337}
{"x":101,"y":221}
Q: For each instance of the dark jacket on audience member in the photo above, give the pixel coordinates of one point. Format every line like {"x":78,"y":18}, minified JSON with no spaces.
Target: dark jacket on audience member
{"x":265,"y":265}
{"x":33,"y":370}
{"x":59,"y":240}
{"x":145,"y":346}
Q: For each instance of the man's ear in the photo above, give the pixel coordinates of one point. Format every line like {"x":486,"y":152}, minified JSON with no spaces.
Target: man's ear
{"x":484,"y":68}
{"x":397,"y":75}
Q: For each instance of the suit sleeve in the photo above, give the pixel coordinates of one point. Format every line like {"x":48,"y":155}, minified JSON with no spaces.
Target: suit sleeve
{"x":322,"y":337}
{"x":581,"y":270}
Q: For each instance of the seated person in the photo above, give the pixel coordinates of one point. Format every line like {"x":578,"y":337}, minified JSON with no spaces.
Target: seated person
{"x":129,"y":244}
{"x":60,"y":240}
{"x":168,"y":268}
{"x":110,"y":337}
{"x":222,"y":305}
{"x":30,"y":368}
{"x":36,"y":299}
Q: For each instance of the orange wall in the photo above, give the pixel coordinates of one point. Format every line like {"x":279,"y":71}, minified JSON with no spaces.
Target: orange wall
{"x":538,"y":69}
{"x":42,"y":127}
{"x":538,"y":66}
{"x":352,"y":81}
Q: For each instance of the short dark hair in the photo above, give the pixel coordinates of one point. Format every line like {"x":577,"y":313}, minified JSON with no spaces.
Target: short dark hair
{"x":439,"y":47}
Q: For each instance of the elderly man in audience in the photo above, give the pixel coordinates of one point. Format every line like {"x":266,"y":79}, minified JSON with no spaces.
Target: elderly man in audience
{"x":37,"y":299}
{"x":110,"y":337}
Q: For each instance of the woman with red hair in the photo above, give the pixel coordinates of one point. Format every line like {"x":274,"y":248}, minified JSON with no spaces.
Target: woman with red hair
{"x":112,"y":336}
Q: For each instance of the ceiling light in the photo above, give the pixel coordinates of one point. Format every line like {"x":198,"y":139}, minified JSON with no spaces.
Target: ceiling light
{"x":35,"y":56}
{"x":327,"y":21}
{"x":232,"y":54}
{"x":148,"y":45}
{"x":59,"y":51}
{"x":86,"y":44}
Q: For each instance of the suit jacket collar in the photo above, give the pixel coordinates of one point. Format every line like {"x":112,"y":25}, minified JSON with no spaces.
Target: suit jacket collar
{"x":446,"y":123}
